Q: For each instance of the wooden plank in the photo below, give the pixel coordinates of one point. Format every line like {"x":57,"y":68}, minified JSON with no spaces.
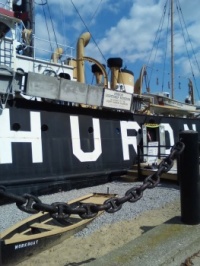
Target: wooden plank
{"x":170,"y":176}
{"x":44,"y":226}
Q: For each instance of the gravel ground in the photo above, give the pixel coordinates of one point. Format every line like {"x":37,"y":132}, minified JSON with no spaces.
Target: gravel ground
{"x":152,"y":199}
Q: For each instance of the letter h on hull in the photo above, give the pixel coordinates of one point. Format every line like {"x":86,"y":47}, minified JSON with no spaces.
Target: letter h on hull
{"x":7,"y":137}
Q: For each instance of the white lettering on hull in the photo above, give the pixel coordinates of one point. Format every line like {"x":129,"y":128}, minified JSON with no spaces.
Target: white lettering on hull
{"x":187,"y":128}
{"x":76,"y":142}
{"x":168,"y":128}
{"x":7,"y":137}
{"x":26,"y":244}
{"x":128,"y":140}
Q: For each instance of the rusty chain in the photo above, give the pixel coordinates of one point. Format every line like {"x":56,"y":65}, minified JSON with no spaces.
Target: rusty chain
{"x":61,"y":211}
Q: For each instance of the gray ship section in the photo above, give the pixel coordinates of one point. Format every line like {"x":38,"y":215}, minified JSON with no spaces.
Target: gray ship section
{"x":63,"y":90}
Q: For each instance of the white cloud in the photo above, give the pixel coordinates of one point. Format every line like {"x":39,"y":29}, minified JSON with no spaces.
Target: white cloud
{"x":133,"y":33}
{"x":125,"y":29}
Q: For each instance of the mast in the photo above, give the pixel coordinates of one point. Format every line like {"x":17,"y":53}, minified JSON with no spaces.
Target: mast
{"x":172,"y":49}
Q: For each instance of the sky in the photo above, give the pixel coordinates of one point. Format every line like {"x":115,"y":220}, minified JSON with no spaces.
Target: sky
{"x":131,"y":30}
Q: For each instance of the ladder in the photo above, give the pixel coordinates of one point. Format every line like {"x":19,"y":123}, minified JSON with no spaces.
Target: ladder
{"x":6,"y":53}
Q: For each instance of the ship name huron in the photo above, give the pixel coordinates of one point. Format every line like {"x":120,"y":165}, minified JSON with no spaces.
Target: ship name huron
{"x":8,"y":136}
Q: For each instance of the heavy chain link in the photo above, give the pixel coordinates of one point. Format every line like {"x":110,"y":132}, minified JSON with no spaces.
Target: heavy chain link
{"x":61,"y":211}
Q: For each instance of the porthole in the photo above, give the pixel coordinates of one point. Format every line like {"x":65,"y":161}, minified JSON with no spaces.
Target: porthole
{"x":44,"y":127}
{"x":16,"y":126}
{"x":117,"y":131}
{"x":90,"y":130}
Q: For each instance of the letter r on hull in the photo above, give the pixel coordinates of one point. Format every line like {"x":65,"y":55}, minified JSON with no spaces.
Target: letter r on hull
{"x":128,"y":140}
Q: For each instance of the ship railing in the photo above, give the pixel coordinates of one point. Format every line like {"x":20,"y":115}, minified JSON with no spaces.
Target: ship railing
{"x":16,"y":55}
{"x":150,"y":161}
{"x":158,"y":154}
{"x":41,"y":52}
{"x":11,"y":56}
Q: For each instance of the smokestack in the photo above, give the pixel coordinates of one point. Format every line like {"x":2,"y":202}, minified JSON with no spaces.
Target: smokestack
{"x":114,"y":64}
{"x":81,"y":44}
{"x":98,"y":73}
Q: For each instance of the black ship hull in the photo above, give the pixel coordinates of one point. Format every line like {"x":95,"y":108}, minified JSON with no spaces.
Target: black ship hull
{"x":50,"y":147}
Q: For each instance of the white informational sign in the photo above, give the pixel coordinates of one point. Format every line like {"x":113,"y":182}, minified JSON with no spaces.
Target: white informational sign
{"x":152,"y":152}
{"x":117,"y":100}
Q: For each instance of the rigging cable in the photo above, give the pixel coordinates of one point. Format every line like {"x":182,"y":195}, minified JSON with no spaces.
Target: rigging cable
{"x":45,"y":17}
{"x":52,"y":24}
{"x":88,"y":29}
{"x":180,"y":11}
{"x":90,"y":22}
{"x":48,"y":31}
{"x":7,"y":3}
{"x":53,"y":28}
{"x":96,"y":11}
{"x":158,"y":36}
{"x":63,"y":17}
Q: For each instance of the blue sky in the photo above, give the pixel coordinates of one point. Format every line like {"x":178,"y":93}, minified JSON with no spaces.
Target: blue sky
{"x":127,"y":29}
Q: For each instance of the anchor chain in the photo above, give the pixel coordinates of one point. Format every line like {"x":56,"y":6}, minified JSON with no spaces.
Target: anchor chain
{"x":61,"y":211}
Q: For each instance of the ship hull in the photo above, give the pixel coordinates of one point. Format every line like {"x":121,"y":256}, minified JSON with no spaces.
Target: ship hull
{"x":47,"y":147}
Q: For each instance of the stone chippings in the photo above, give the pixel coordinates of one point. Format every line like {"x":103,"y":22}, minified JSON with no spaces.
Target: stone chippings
{"x":152,"y":199}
